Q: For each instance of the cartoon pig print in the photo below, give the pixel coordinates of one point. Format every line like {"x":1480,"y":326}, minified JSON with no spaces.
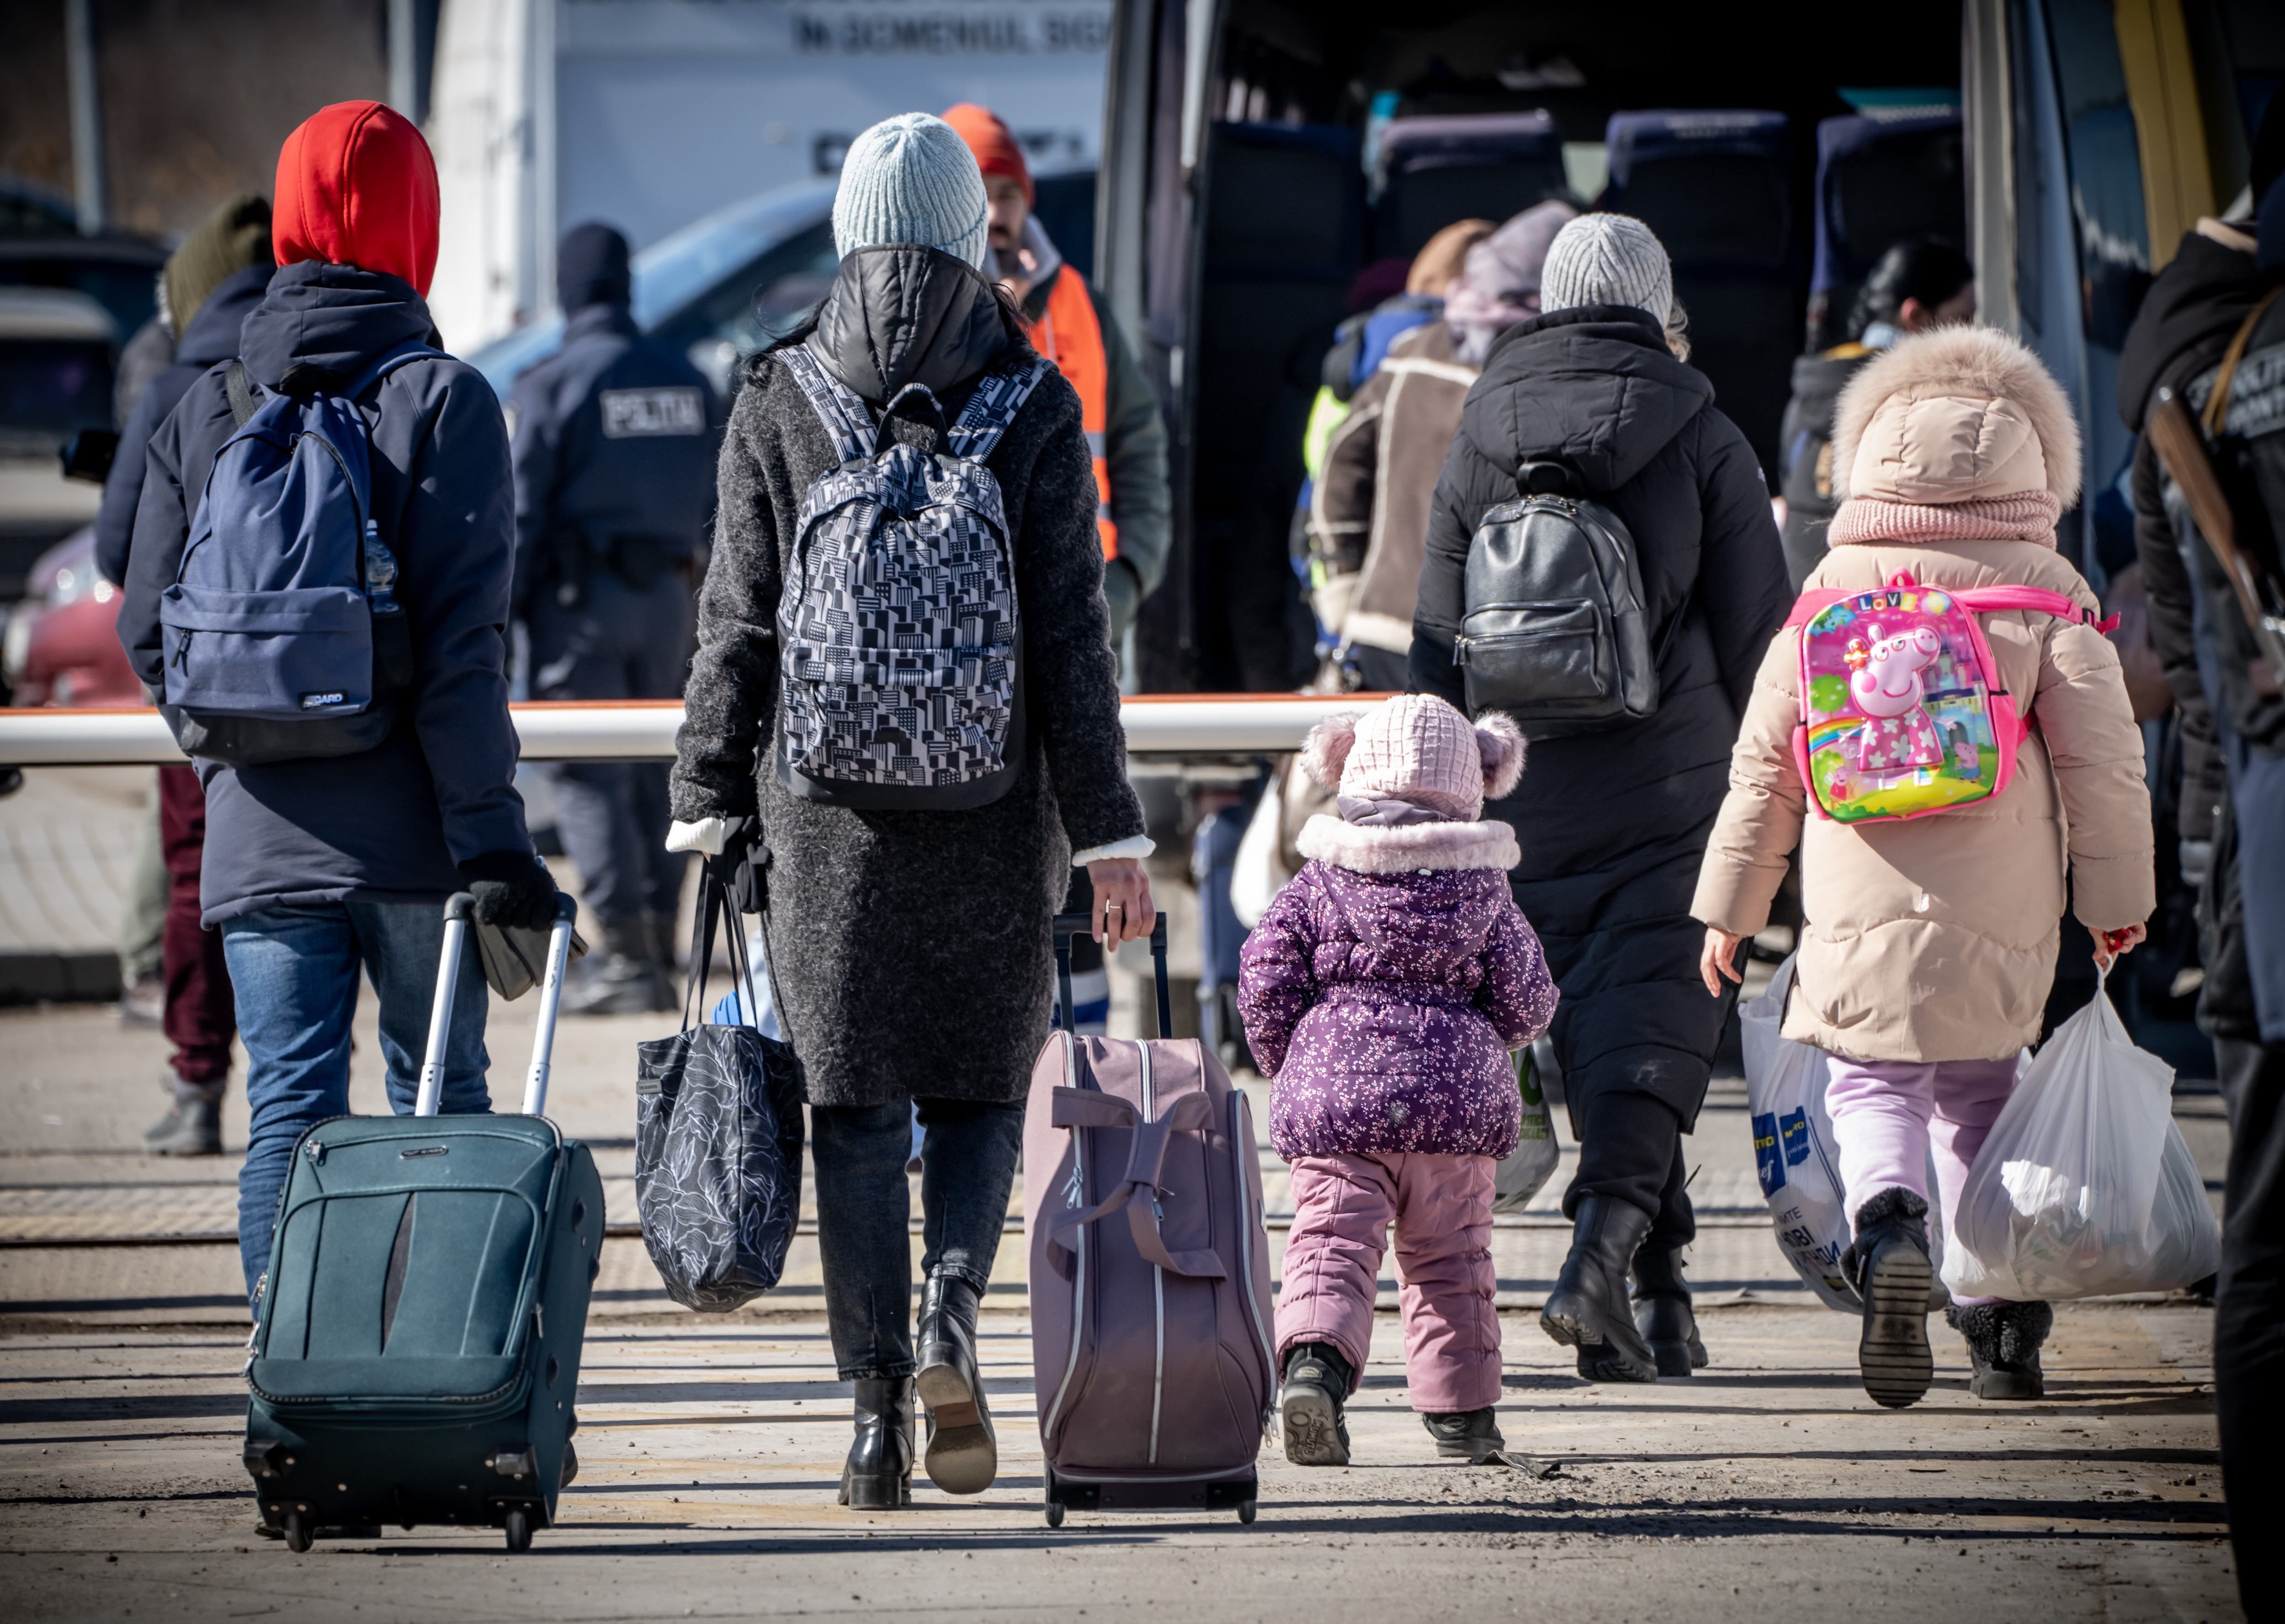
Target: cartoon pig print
{"x":1885,"y":683}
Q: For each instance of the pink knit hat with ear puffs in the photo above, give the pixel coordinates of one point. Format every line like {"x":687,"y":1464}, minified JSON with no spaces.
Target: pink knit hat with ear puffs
{"x":1417,"y":748}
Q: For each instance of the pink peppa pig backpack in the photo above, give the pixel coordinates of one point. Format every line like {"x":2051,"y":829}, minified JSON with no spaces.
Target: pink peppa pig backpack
{"x":1902,"y":711}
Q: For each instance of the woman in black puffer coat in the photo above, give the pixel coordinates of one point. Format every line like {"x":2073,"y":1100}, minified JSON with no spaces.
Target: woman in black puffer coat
{"x":1612,"y":824}
{"x":912,"y":946}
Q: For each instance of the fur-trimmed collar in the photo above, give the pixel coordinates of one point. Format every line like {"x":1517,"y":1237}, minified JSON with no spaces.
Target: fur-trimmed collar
{"x":1410,"y":848}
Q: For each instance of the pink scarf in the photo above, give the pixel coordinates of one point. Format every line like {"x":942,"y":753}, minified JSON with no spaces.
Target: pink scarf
{"x":2028,"y":515}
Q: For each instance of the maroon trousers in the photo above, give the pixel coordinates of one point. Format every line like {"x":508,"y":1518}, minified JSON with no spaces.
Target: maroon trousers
{"x":200,"y":1019}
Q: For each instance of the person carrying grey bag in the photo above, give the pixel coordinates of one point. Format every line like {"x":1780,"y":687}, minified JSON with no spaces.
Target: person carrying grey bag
{"x":911,"y":938}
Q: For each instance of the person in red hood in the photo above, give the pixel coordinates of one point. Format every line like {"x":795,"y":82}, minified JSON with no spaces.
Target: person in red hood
{"x":316,"y":870}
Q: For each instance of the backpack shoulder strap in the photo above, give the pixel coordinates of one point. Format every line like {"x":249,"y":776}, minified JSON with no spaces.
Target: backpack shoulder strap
{"x":239,"y":388}
{"x":997,"y":397}
{"x":844,"y":417}
{"x":2037,"y":601}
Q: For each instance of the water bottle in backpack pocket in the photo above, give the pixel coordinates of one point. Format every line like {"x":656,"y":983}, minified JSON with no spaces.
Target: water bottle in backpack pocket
{"x":1903,"y":712}
{"x":1555,"y":628}
{"x":283,"y":639}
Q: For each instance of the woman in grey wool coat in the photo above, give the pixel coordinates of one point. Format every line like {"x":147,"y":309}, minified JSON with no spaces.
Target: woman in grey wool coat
{"x":912,"y":948}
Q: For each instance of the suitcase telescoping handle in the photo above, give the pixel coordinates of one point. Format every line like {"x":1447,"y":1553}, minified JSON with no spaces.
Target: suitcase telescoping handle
{"x":551,"y":1000}
{"x":460,"y":910}
{"x":1069,"y":925}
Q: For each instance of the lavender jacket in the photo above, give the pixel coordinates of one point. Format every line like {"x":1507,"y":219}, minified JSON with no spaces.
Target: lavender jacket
{"x":1385,"y":987}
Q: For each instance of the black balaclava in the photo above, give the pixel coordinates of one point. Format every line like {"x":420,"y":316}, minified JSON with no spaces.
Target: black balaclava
{"x":591,"y":267}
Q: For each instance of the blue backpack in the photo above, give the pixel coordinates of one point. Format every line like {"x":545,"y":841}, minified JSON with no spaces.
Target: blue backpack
{"x":283,"y":638}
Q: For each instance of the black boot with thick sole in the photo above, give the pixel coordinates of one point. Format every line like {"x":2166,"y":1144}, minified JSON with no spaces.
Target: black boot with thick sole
{"x":1317,"y":1381}
{"x":878,"y":1475}
{"x":1888,"y":1264}
{"x":1588,"y":1309}
{"x":963,"y":1453}
{"x":2003,"y":1347}
{"x":1663,"y":1312}
{"x":1469,"y":1435}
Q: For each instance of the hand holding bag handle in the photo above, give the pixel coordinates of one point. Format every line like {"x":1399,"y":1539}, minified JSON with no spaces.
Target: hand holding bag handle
{"x":1089,"y":1107}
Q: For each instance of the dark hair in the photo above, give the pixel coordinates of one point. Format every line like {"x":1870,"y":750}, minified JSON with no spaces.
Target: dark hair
{"x":1921,"y":268}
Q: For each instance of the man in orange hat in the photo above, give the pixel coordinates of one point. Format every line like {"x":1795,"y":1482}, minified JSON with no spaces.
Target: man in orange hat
{"x":1135,"y":508}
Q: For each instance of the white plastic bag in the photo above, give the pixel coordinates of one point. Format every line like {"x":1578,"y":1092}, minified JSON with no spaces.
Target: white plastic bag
{"x":1794,"y":1150}
{"x":1523,"y":1172}
{"x":2085,"y":1188}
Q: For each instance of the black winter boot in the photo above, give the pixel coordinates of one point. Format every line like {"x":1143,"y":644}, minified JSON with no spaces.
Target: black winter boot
{"x":627,"y":981}
{"x":1587,"y":1308}
{"x":1663,"y":1312}
{"x":1469,"y":1435}
{"x":1317,"y":1382}
{"x":1889,"y":1265}
{"x":963,"y":1453}
{"x":2003,"y":1347}
{"x":878,"y":1475}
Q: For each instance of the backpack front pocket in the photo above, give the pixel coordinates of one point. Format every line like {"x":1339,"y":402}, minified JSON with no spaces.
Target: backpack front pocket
{"x":1557,"y":658}
{"x":294,"y":653}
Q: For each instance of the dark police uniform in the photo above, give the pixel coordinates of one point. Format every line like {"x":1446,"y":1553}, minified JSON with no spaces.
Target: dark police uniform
{"x":614,"y":439}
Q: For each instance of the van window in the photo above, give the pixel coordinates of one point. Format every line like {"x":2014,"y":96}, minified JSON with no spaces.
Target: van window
{"x":51,"y":389}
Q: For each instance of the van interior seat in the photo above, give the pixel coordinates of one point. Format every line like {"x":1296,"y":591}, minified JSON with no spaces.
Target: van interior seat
{"x":1881,"y":180}
{"x":1431,"y":172}
{"x":1716,"y":185}
{"x":1284,"y":238}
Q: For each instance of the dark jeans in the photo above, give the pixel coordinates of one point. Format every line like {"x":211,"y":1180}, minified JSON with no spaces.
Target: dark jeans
{"x":864,"y":1204}
{"x":2250,"y":1316}
{"x":200,"y":1019}
{"x":295,"y":968}
{"x":620,"y":643}
{"x":1631,"y":1148}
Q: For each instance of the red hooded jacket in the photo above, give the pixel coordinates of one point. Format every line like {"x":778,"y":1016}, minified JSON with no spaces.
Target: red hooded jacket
{"x":357,"y":185}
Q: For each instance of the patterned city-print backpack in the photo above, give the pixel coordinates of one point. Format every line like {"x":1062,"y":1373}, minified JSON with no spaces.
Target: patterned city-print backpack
{"x":900,"y":642}
{"x":1902,"y":710}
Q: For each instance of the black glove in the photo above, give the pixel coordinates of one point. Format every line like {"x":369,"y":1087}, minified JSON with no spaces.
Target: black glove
{"x":513,"y":890}
{"x":743,"y":865}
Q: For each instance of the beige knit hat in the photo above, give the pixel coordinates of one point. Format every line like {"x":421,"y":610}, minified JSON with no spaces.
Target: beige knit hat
{"x":1417,"y":748}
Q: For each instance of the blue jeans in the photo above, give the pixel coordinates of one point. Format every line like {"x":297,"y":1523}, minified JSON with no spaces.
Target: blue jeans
{"x":295,"y":967}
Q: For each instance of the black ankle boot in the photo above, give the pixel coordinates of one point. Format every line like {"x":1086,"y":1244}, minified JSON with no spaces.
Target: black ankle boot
{"x":1888,"y":1263}
{"x":963,"y":1455}
{"x":1663,"y":1312}
{"x":1317,"y":1382}
{"x":879,"y":1473}
{"x":1588,"y":1309}
{"x":1469,"y":1435}
{"x":2003,"y":1347}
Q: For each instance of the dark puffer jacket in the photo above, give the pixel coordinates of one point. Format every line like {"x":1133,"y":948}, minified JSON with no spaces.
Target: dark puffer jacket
{"x":392,"y":823}
{"x":1612,"y":824}
{"x":911,"y":947}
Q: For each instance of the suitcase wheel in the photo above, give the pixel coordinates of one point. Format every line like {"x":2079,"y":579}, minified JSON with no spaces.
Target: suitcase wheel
{"x":297,"y":1532}
{"x":518,"y":1526}
{"x":1055,"y":1513}
{"x":1246,"y":1510}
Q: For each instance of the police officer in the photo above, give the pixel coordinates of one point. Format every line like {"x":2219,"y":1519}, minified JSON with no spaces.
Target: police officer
{"x":614,"y":439}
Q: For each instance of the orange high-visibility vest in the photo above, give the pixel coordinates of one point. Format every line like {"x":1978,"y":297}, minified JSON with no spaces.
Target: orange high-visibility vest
{"x":1068,"y":333}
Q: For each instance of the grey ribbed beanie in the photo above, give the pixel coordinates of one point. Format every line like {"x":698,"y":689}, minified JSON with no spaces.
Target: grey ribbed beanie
{"x":911,"y":178}
{"x":1607,"y":259}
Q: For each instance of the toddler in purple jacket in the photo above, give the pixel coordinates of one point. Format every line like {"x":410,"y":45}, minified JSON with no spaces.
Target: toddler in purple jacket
{"x":1382,"y":992}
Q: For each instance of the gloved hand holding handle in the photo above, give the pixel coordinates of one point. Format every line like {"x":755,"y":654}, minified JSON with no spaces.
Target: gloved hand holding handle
{"x":513,"y":890}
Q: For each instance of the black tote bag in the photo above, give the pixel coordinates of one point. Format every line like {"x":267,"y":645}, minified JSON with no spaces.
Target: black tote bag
{"x":717,"y":1140}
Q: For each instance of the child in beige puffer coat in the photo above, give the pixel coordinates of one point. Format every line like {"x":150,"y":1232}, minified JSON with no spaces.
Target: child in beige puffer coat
{"x":1929,"y":947}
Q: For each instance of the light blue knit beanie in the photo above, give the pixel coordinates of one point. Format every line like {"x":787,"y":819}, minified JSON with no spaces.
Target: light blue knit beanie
{"x":911,"y":178}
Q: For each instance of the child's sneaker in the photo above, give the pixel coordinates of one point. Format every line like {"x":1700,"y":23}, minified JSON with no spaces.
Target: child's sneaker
{"x":1316,"y":1383}
{"x":1888,"y":1262}
{"x":1472,"y":1435}
{"x":2003,"y":1347}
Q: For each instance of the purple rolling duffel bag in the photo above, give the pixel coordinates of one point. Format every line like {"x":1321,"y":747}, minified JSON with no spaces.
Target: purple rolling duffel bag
{"x":1149,"y":1276}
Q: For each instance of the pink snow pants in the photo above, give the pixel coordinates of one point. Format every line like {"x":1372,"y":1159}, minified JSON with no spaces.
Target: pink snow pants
{"x":1443,"y":1209}
{"x":1889,"y":1114}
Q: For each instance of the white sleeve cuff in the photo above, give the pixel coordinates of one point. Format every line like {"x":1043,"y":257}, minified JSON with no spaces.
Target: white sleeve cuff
{"x":1134,"y":845}
{"x":707,"y":835}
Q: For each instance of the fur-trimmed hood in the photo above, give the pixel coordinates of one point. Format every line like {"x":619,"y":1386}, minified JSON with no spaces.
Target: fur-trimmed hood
{"x":1958,"y":414}
{"x":1412,"y":848}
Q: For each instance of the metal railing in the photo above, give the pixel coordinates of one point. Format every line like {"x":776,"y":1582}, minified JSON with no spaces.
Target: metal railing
{"x":644,"y":730}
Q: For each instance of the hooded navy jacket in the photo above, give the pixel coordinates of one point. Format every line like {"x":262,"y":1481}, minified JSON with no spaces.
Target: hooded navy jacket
{"x":392,"y":823}
{"x":212,"y":336}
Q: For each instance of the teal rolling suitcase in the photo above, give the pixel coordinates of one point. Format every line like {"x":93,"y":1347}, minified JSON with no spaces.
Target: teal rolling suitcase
{"x":416,"y":1345}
